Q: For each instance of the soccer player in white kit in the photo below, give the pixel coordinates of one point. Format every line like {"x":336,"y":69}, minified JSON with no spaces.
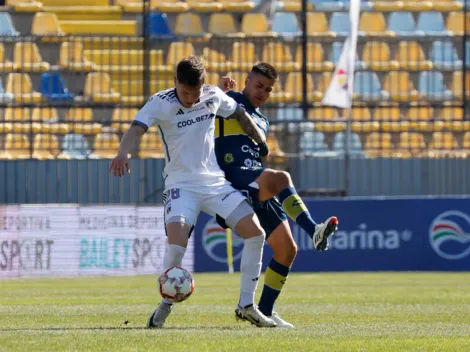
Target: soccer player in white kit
{"x":185,"y":116}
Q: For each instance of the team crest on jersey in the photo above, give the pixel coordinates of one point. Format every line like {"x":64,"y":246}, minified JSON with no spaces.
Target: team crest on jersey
{"x":229,"y":158}
{"x":210,"y":104}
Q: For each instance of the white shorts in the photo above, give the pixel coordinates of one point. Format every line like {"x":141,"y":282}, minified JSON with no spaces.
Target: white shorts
{"x":187,"y":204}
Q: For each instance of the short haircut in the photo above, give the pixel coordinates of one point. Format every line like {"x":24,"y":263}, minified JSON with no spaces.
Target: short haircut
{"x":191,"y":72}
{"x":266,"y":70}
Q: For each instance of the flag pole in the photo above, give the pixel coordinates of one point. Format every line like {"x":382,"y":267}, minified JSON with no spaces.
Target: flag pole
{"x":347,"y":152}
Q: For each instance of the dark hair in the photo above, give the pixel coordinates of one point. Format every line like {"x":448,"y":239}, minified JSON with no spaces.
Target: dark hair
{"x":191,"y":71}
{"x":265,"y":69}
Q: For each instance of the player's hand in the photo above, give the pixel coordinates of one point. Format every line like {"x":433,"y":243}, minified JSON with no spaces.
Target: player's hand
{"x":227,"y":83}
{"x":120,"y":165}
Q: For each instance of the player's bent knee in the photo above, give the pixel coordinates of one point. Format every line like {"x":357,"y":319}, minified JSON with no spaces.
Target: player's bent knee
{"x":244,"y":221}
{"x":277,"y":180}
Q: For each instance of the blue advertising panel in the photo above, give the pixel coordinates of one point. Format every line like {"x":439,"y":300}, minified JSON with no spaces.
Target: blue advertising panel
{"x":400,"y":234}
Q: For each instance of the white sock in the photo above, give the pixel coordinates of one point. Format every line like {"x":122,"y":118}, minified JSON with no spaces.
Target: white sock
{"x":250,"y":269}
{"x":173,"y":256}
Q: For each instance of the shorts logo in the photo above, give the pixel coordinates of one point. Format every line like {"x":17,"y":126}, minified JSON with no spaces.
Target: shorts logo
{"x":214,"y":242}
{"x":228,"y":158}
{"x":228,"y":195}
{"x":449,"y":235}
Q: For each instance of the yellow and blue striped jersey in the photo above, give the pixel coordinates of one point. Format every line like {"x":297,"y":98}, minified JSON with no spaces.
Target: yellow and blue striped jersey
{"x":232,"y":146}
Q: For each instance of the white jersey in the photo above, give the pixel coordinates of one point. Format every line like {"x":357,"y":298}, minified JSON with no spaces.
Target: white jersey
{"x":188,"y":135}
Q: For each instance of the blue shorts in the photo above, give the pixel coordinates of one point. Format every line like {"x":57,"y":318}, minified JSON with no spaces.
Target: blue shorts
{"x":270,"y":212}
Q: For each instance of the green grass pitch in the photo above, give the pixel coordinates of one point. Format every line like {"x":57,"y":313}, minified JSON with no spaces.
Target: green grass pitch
{"x":331,"y":312}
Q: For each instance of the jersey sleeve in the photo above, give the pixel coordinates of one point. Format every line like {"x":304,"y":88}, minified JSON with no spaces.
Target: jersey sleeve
{"x":227,"y":104}
{"x":150,"y":113}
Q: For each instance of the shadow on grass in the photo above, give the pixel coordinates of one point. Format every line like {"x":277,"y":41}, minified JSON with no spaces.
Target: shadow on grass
{"x":111,"y":328}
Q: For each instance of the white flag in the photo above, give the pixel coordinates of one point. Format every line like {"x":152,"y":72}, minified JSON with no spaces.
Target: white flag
{"x":340,"y":91}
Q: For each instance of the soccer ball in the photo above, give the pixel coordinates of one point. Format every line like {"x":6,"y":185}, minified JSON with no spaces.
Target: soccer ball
{"x":176,"y":284}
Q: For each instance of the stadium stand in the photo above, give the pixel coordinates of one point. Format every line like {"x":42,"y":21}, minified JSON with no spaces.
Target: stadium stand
{"x":77,"y":72}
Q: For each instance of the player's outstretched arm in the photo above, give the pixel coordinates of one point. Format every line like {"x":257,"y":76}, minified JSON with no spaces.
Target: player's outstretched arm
{"x":130,"y":139}
{"x":252,"y":130}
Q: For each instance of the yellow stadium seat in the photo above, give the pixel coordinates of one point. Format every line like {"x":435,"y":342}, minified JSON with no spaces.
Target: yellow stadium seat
{"x":21,"y":120}
{"x":443,"y":144}
{"x":151,"y":146}
{"x":457,"y":85}
{"x":453,"y":119}
{"x":411,"y":144}
{"x":71,"y":57}
{"x":243,"y":56}
{"x":327,"y":119}
{"x":5,"y":65}
{"x":122,"y":118}
{"x":169,"y":6}
{"x":315,"y":58}
{"x":27,"y":57}
{"x":411,"y":57}
{"x":293,"y":6}
{"x":276,"y":154}
{"x":417,"y":6}
{"x":212,"y":78}
{"x":106,"y":145}
{"x":373,"y":24}
{"x":422,"y":119}
{"x":190,"y":25}
{"x":215,"y":61}
{"x":279,"y":55}
{"x":223,"y":24}
{"x":324,"y":81}
{"x":448,"y":5}
{"x":128,"y":61}
{"x":133,"y":92}
{"x":49,"y":120}
{"x":135,"y":6}
{"x":256,"y":24}
{"x":379,"y":144}
{"x":98,"y":88}
{"x":5,"y":127}
{"x":75,"y":2}
{"x":294,"y":88}
{"x":178,"y":51}
{"x":362,"y":120}
{"x":17,"y":146}
{"x":46,"y":24}
{"x":80,"y":120}
{"x":205,"y":5}
{"x":400,"y":87}
{"x":20,"y":85}
{"x":466,"y":142}
{"x":317,"y":25}
{"x":78,"y":12}
{"x":278,"y":95}
{"x":389,"y":118}
{"x":388,"y":6}
{"x":455,"y":23}
{"x":25,"y":5}
{"x":45,"y":147}
{"x":377,"y":55}
{"x":119,"y":27}
{"x":239,"y":77}
{"x":237,"y":5}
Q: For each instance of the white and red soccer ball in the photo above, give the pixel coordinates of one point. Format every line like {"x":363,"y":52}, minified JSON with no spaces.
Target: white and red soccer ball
{"x":176,"y":284}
